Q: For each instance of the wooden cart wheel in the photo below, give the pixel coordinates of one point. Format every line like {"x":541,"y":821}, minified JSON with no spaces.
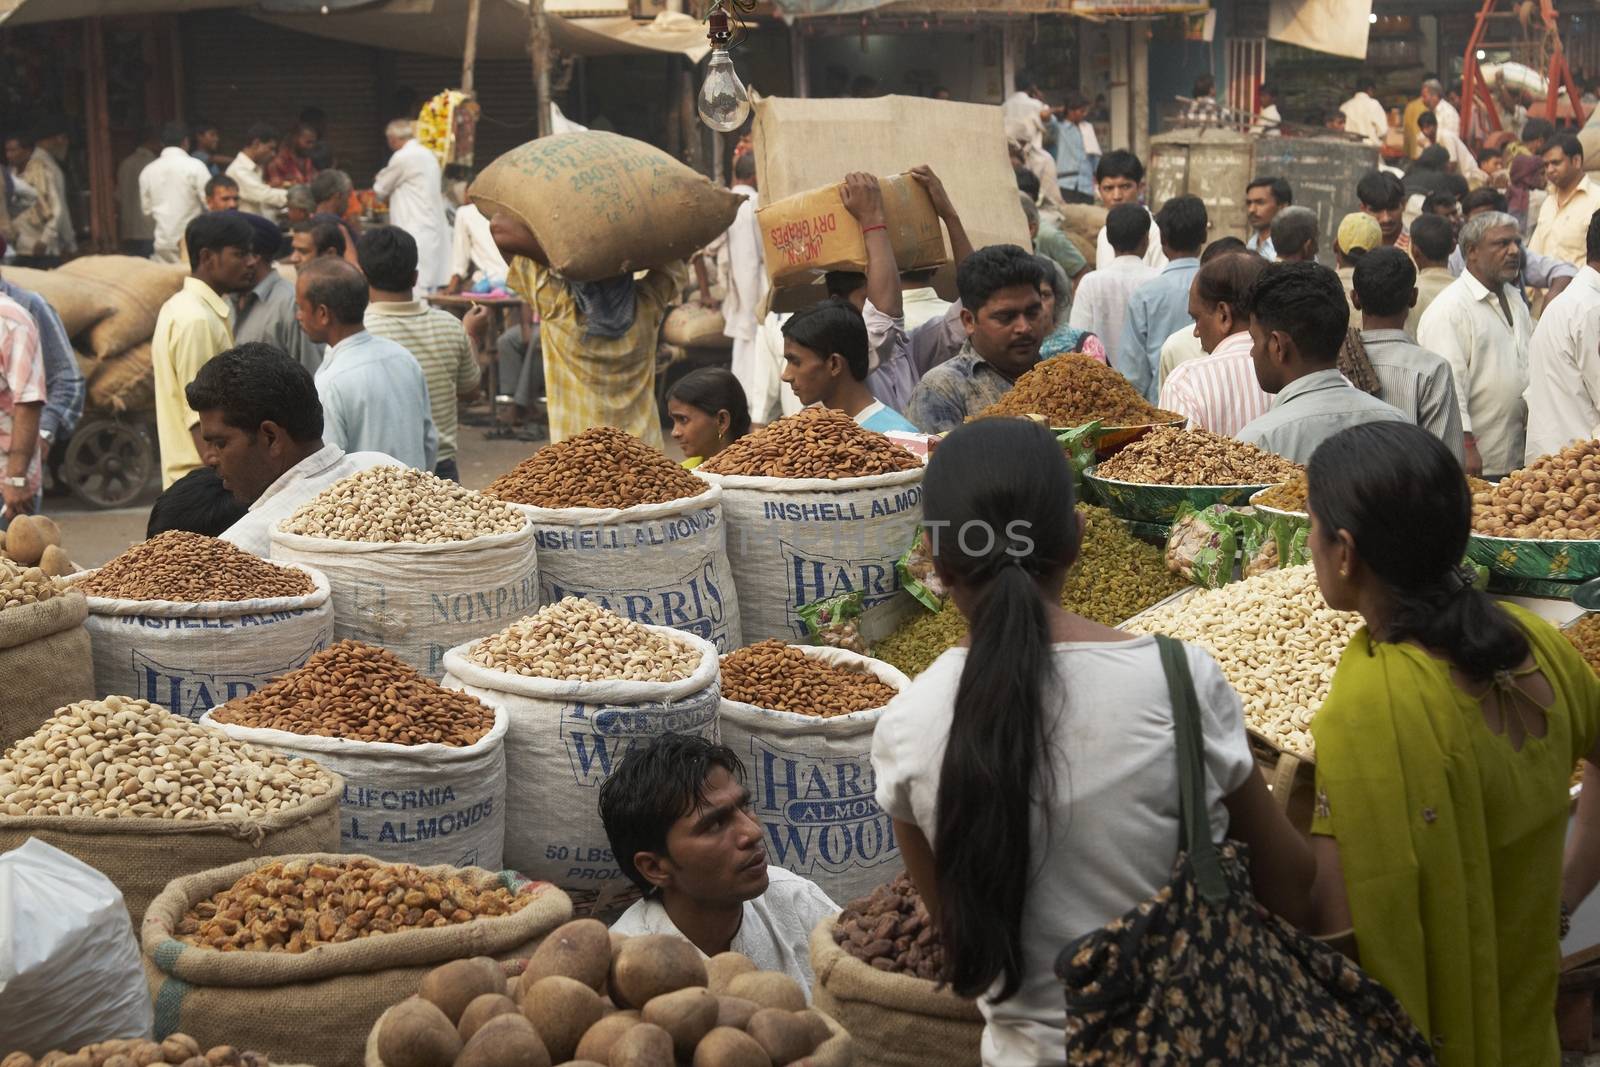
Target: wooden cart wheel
{"x":108,"y":462}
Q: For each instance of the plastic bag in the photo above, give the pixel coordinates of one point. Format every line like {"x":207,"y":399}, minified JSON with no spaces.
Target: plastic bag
{"x":1290,"y":535}
{"x":1203,"y":545}
{"x":835,"y":622}
{"x":1079,"y":444}
{"x":70,"y":973}
{"x":916,"y":572}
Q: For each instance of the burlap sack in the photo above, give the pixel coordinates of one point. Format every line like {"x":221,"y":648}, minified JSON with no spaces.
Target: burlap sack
{"x":124,"y":382}
{"x":896,"y":1020}
{"x":693,"y":326}
{"x":1082,"y":224}
{"x":78,"y":304}
{"x":141,"y":856}
{"x":44,"y":657}
{"x":319,"y":1006}
{"x":602,"y":204}
{"x":136,"y":287}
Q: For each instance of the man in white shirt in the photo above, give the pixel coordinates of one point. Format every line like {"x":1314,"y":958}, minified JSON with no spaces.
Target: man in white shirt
{"x":1573,"y":199}
{"x":134,"y":225}
{"x":1564,"y":362}
{"x":677,"y":815}
{"x":1434,"y":101}
{"x":1219,"y":392}
{"x":1364,"y":115}
{"x":474,"y":257}
{"x":262,"y":424}
{"x":172,"y":190}
{"x":1026,"y":116}
{"x":1480,"y":325}
{"x":1101,"y":303}
{"x":745,"y":283}
{"x":1119,"y":179}
{"x":374,"y":396}
{"x":39,"y":226}
{"x":412,"y":183}
{"x":255,"y":194}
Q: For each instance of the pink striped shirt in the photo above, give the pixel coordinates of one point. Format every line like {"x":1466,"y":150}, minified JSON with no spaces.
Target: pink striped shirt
{"x":1218,"y":392}
{"x":21,"y":374}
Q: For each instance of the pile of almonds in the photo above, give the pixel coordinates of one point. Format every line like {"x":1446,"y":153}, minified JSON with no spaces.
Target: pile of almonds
{"x":1556,"y":497}
{"x":21,"y":585}
{"x":362,"y":693}
{"x":889,"y":929}
{"x":812,"y":443}
{"x":295,"y":905}
{"x":1074,"y":389}
{"x":179,"y":1050}
{"x":121,"y":758}
{"x":394,"y":505}
{"x":1170,"y":456}
{"x":601,"y":467}
{"x":576,"y":640}
{"x":780,"y":677}
{"x":194,"y":569}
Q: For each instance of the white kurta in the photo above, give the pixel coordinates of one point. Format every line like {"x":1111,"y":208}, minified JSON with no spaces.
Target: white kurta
{"x":1563,"y":392}
{"x":745,"y":287}
{"x":413,"y":185}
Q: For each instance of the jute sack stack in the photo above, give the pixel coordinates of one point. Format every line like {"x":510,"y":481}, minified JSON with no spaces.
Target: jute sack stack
{"x":566,"y":738}
{"x":124,"y":382}
{"x":896,"y":1020}
{"x":79,"y":304}
{"x":141,"y":856}
{"x":188,"y":658}
{"x":317,"y":1006}
{"x":794,"y":541}
{"x":136,"y":288}
{"x":601,"y":204}
{"x":658,"y":564}
{"x":811,"y":784}
{"x":44,"y":659}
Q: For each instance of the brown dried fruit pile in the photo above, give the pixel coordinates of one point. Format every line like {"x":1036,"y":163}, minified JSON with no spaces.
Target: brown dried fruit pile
{"x":812,"y":443}
{"x":780,"y":677}
{"x":295,"y":905}
{"x":602,"y":467}
{"x":1290,"y":496}
{"x":191,"y":568}
{"x":362,"y":693}
{"x":1585,"y":637}
{"x":178,"y":1050}
{"x":1072,"y":389}
{"x":1170,"y":456}
{"x":890,"y":929}
{"x":1556,"y":497}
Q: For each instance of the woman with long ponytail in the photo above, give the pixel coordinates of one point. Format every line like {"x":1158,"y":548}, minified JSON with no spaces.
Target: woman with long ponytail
{"x":1031,"y":773}
{"x":1444,"y":755}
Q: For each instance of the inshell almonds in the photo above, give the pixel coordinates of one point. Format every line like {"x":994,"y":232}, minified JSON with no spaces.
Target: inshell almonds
{"x":812,"y":443}
{"x":602,"y":467}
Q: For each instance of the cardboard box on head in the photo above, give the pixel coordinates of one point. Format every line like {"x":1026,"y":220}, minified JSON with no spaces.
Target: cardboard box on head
{"x":814,"y":231}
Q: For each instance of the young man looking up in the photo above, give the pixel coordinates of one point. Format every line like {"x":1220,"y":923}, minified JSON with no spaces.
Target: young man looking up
{"x":1119,"y":179}
{"x":825,"y":362}
{"x":1384,"y":198}
{"x":193,"y":327}
{"x":1263,"y":199}
{"x":374,"y":397}
{"x":678,"y":817}
{"x":1003,"y":314}
{"x":1298,"y":319}
{"x":1411,"y":378}
{"x":262,"y":425}
{"x":437,"y":339}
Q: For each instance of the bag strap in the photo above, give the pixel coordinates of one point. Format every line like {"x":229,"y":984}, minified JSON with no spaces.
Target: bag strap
{"x":1195,"y":823}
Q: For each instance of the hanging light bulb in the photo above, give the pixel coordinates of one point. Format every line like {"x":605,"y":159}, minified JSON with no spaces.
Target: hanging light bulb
{"x":724,"y":104}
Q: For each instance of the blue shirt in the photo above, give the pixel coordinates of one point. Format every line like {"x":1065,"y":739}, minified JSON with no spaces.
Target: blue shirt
{"x":1157,"y":309}
{"x":1074,"y":168}
{"x":64,"y":387}
{"x":881,"y":418}
{"x":375,"y":399}
{"x":951,"y":391}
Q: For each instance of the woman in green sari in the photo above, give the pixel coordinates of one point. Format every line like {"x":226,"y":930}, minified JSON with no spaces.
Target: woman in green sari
{"x":1444,"y":753}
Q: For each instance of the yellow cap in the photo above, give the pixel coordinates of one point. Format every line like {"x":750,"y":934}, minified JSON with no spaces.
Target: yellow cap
{"x":1359,"y":231}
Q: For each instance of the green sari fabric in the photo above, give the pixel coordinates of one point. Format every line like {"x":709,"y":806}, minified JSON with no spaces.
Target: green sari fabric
{"x":1451,"y":841}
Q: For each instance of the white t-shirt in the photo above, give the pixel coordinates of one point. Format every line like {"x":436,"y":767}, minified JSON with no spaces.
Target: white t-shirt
{"x":775,"y":933}
{"x":1112,"y":832}
{"x":1105,"y":255}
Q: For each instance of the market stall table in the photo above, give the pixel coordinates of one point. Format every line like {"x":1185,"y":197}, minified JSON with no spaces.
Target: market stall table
{"x":500,"y":310}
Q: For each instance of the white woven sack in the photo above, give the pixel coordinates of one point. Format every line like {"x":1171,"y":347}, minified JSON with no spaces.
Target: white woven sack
{"x":794,"y":541}
{"x":657,"y":564}
{"x":564,"y":740}
{"x":421,"y":804}
{"x":418,"y":600}
{"x":812,"y":787}
{"x":187,"y":658}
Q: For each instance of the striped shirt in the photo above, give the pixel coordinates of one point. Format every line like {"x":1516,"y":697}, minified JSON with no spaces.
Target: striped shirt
{"x":598,"y":381}
{"x":1218,"y":392}
{"x":21,"y":374}
{"x":439,"y":342}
